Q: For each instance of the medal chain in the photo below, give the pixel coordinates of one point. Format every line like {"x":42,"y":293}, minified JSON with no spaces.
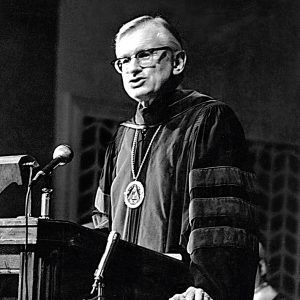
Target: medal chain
{"x":133,"y":150}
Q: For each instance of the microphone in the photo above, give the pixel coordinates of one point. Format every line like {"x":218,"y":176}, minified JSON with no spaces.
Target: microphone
{"x":112,"y":241}
{"x":62,"y":155}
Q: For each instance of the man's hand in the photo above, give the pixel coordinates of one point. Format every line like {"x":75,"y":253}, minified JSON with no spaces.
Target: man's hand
{"x":192,"y":293}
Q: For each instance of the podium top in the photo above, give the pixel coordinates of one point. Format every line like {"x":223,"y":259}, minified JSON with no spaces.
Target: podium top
{"x":131,"y":262}
{"x":12,"y":231}
{"x":139,"y":272}
{"x":11,"y":166}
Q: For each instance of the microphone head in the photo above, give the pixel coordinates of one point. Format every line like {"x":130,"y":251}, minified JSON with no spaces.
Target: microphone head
{"x":64,"y":153}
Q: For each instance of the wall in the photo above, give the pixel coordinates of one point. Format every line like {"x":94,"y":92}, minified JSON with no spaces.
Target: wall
{"x":27,"y":73}
{"x":27,"y":82}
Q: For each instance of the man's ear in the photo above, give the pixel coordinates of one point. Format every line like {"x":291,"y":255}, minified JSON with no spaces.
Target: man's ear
{"x":179,"y":62}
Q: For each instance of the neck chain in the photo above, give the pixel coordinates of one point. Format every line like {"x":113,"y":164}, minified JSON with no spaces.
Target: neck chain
{"x":133,"y":151}
{"x":135,"y":192}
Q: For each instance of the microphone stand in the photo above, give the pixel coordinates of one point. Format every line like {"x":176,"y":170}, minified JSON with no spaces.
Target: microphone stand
{"x":28,"y":193}
{"x":98,"y":285}
{"x":97,"y":292}
{"x":46,"y":198}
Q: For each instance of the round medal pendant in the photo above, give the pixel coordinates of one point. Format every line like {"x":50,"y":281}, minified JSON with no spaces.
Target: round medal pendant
{"x":134,"y":194}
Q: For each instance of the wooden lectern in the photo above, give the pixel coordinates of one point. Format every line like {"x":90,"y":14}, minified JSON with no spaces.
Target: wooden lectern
{"x":61,"y":257}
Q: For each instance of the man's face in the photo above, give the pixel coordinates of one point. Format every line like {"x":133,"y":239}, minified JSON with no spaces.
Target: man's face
{"x":145,"y":84}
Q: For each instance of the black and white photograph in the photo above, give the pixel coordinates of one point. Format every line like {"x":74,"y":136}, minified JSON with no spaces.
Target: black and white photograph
{"x":149,"y":150}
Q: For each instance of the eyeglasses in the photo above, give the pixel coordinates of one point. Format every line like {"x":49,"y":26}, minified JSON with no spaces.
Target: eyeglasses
{"x":144,"y":59}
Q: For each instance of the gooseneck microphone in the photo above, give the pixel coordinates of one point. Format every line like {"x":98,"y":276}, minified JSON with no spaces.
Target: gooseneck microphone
{"x":112,"y":241}
{"x":62,"y":155}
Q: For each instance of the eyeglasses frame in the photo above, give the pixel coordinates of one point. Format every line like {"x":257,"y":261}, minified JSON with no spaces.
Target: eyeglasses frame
{"x":152,"y":50}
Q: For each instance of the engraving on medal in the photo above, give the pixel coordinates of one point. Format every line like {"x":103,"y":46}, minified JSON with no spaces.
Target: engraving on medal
{"x":134,"y":194}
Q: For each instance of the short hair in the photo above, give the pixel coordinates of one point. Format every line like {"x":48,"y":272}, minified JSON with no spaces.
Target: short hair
{"x":133,"y":24}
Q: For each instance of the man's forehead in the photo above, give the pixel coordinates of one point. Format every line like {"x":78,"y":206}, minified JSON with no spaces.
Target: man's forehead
{"x":142,"y":37}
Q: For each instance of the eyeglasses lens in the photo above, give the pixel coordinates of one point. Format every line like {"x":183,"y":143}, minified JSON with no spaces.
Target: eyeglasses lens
{"x":143,"y":58}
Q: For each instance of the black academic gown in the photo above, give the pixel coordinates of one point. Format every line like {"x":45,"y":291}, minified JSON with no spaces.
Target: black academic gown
{"x":198,"y":190}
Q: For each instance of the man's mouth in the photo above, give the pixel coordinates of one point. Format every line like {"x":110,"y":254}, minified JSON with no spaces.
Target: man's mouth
{"x":136,"y":82}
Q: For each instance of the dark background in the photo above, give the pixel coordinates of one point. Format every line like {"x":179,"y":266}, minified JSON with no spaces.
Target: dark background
{"x":243,"y":52}
{"x":56,"y":86}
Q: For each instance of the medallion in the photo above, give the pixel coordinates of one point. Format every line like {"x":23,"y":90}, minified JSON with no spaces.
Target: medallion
{"x":134,"y":194}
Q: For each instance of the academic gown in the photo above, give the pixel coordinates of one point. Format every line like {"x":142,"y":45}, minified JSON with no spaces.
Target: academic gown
{"x":199,"y":190}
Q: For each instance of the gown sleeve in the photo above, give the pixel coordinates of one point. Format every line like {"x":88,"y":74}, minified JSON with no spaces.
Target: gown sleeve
{"x":101,"y":215}
{"x":222,"y":242}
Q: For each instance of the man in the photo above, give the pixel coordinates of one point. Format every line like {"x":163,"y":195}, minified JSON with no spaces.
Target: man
{"x":175,"y":178}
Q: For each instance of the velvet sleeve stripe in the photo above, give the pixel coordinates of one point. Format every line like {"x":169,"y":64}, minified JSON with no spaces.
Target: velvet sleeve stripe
{"x":221,"y":237}
{"x":222,"y":182}
{"x":222,"y":211}
{"x":221,"y":175}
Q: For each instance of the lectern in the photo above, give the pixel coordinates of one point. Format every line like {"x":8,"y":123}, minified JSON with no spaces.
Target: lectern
{"x":50,"y":259}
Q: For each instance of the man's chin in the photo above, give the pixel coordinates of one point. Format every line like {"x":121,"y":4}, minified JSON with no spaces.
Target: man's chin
{"x":141,"y":96}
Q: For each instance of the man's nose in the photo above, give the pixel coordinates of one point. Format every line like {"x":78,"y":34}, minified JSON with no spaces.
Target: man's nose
{"x":133,"y":66}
